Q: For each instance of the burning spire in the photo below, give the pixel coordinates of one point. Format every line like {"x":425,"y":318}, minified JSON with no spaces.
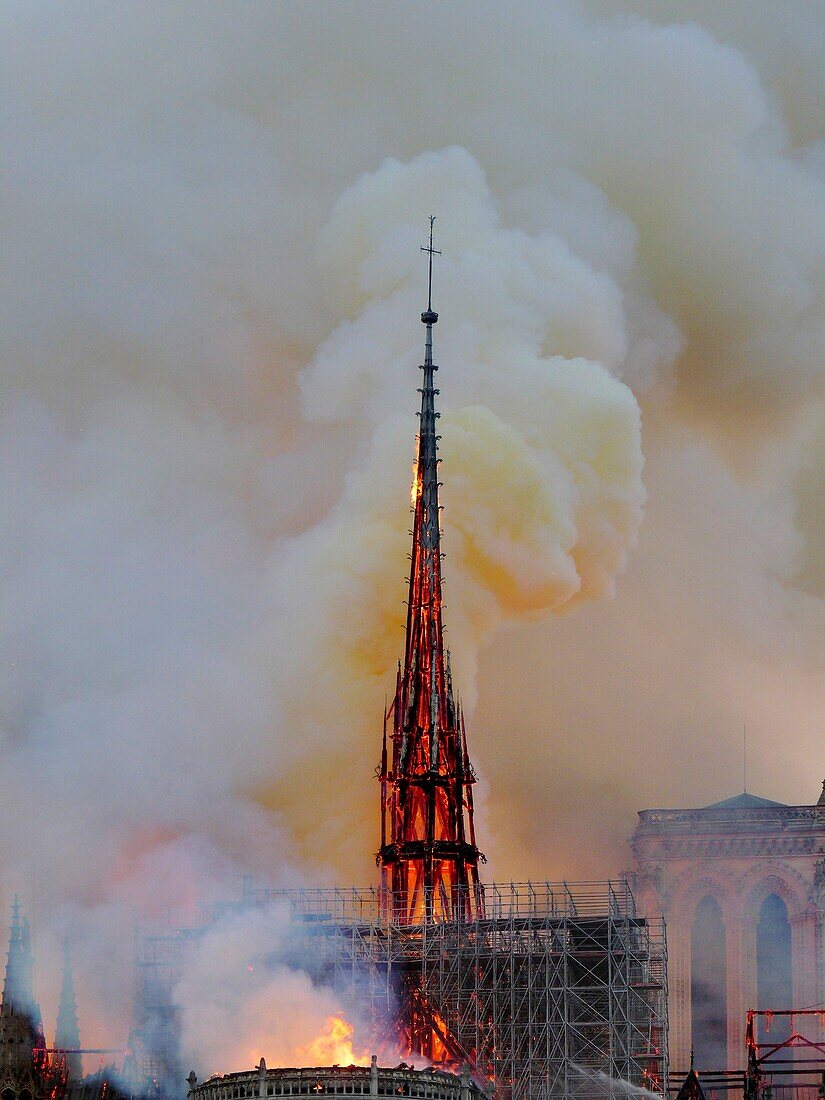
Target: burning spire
{"x":428,"y":855}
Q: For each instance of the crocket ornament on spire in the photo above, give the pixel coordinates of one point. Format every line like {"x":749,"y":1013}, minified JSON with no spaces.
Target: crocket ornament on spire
{"x":428,"y":855}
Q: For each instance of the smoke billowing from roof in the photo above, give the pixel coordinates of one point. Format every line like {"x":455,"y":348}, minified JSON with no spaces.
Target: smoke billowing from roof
{"x":211,"y":222}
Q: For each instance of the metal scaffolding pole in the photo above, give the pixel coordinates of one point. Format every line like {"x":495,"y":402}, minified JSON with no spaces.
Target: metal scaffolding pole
{"x":558,"y":991}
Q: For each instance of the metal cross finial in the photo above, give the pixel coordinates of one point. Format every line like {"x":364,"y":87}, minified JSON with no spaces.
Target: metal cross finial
{"x":433,"y":252}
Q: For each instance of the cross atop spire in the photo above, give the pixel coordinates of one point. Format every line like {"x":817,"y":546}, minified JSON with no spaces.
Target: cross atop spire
{"x":67,"y":1034}
{"x":430,"y":318}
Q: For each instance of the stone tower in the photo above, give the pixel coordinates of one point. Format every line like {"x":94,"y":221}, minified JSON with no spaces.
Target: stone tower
{"x":428,"y":855}
{"x":741,"y":884}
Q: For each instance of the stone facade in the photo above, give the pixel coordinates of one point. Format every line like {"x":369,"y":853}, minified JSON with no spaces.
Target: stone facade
{"x":739,"y":853}
{"x":27,"y":1071}
{"x":367,"y":1081}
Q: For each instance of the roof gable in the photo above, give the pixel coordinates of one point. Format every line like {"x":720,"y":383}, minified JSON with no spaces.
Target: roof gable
{"x":743,"y":801}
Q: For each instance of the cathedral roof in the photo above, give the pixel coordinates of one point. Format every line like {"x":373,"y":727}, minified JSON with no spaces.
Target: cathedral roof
{"x":744,"y":815}
{"x":743,"y":801}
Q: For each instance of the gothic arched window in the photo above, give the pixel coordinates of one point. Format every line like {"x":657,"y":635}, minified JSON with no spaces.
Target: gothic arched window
{"x":708,"y":986}
{"x":774,"y":983}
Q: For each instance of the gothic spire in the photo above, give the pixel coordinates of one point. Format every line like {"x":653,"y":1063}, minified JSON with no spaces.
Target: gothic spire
{"x":18,"y":987}
{"x":429,"y":867}
{"x":67,"y":1033}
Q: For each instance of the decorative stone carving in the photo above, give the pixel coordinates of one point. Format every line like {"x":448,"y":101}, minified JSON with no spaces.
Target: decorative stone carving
{"x":738,"y":852}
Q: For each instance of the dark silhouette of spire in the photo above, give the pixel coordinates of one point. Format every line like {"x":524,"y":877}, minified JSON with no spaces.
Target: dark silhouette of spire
{"x":24,"y":1060}
{"x":67,"y":1033}
{"x":428,"y":856}
{"x":18,"y":987}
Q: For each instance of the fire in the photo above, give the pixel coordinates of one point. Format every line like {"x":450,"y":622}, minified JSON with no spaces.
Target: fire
{"x":415,"y":488}
{"x":333,"y":1047}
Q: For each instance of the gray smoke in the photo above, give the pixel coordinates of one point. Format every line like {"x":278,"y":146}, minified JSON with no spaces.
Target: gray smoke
{"x":211,"y":218}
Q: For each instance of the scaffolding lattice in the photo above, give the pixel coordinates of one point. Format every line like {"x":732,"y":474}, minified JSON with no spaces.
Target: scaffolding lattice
{"x":559,"y":991}
{"x":153,"y":1060}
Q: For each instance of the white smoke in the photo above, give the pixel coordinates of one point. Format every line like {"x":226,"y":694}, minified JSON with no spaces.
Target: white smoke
{"x":242,"y":998}
{"x":211,"y":222}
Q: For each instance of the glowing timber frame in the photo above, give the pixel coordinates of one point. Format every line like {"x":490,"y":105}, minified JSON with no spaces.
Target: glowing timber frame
{"x":428,"y":856}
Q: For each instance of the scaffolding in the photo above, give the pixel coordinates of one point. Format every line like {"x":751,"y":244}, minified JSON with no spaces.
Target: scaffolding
{"x":559,"y":995}
{"x":152,"y":1065}
{"x":558,"y":991}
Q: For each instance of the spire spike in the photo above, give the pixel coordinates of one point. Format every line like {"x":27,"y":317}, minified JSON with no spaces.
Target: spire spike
{"x":429,"y":869}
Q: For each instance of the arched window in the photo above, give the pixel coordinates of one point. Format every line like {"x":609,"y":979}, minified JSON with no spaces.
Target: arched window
{"x":774,"y":985}
{"x":708,"y":986}
{"x":7,"y":1094}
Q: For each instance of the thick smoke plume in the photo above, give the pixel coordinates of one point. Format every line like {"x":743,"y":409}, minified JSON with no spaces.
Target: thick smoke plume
{"x":211,"y":221}
{"x":243,"y":998}
{"x":543,"y":492}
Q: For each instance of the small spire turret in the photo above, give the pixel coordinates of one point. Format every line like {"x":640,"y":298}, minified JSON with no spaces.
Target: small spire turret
{"x":18,"y":986}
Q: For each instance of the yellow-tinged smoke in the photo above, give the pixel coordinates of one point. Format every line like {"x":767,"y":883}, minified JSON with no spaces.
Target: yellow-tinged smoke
{"x":541,"y":470}
{"x":209,"y":361}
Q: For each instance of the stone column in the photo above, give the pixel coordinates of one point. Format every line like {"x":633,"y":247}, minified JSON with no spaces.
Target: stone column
{"x":374,"y":1075}
{"x":741,"y":948}
{"x":803,"y":959}
{"x":678,"y":971}
{"x":818,"y":899}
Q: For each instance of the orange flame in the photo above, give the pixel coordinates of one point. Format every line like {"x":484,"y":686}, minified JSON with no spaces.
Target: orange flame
{"x":415,"y":488}
{"x":333,"y":1047}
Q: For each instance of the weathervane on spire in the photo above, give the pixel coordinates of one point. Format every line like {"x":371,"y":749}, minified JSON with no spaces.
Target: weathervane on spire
{"x":430,"y":317}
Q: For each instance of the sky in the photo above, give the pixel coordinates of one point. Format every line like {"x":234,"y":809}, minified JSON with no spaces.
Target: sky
{"x":212,"y":216}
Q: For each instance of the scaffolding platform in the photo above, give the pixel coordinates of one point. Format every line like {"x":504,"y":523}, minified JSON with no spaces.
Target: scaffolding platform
{"x":558,"y":991}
